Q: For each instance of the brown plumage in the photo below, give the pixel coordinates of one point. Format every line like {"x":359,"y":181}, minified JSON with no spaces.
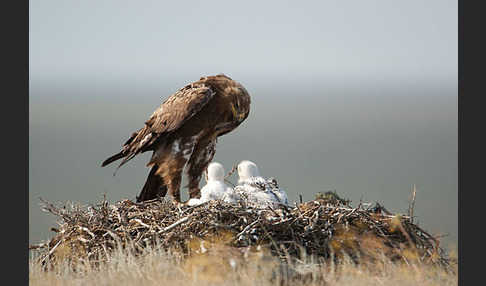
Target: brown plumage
{"x":182,"y":132}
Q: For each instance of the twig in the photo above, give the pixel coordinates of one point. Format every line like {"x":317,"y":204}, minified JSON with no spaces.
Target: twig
{"x":229,"y":182}
{"x":51,"y":251}
{"x":412,"y":203}
{"x":246,"y":229}
{"x":184,"y":219}
{"x":235,"y":167}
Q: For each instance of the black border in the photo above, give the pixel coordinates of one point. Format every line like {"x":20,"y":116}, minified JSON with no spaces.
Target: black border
{"x":471,"y":150}
{"x":15,"y":140}
{"x":460,"y":79}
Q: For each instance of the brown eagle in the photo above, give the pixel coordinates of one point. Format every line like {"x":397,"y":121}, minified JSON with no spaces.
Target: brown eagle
{"x":183,"y":131}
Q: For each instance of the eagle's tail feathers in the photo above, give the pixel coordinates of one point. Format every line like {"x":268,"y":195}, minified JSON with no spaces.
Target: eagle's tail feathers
{"x":112,"y":159}
{"x":126,"y":159}
{"x":128,"y":150}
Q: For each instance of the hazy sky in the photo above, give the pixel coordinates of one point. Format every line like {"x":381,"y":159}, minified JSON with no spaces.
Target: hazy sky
{"x":402,"y":40}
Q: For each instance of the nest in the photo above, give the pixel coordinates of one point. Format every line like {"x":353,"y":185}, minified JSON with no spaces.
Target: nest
{"x":327,"y":228}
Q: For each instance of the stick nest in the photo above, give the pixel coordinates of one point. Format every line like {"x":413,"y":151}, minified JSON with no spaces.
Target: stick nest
{"x":326,"y":228}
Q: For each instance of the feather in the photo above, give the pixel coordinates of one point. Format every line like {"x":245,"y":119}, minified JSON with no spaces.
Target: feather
{"x":112,"y":159}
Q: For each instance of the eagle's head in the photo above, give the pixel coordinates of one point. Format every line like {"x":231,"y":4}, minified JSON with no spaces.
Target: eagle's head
{"x":246,"y":170}
{"x":237,"y":95}
{"x":241,"y":103}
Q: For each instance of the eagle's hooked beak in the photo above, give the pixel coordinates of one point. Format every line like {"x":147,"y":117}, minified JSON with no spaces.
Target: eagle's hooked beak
{"x":238,"y":115}
{"x":233,"y":109}
{"x":241,"y":116}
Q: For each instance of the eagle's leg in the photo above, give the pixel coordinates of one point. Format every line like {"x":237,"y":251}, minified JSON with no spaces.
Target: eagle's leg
{"x":154,"y":186}
{"x":172,"y":174}
{"x":174,"y":188}
{"x":200,"y":158}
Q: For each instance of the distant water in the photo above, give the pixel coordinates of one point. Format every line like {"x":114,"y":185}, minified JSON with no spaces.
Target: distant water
{"x":369,"y":143}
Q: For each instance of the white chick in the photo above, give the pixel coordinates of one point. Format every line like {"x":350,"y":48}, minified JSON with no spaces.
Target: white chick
{"x":258,"y":191}
{"x":215,"y":188}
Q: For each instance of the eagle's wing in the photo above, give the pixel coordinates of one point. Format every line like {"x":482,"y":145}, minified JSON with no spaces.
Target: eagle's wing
{"x":171,"y":115}
{"x":179,"y":108}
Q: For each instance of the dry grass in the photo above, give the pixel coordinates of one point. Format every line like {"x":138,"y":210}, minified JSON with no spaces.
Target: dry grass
{"x":223,"y":265}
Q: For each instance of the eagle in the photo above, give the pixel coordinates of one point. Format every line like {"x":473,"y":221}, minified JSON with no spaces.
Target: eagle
{"x":182,"y":133}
